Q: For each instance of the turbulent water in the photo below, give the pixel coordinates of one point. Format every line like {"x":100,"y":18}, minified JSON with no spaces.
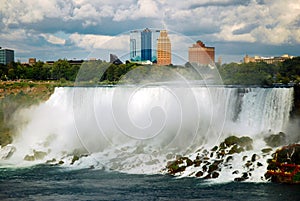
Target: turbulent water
{"x":139,"y":129}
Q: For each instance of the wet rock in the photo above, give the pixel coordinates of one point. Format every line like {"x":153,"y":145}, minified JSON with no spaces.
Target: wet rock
{"x":248,"y":164}
{"x":178,"y":165}
{"x":235,"y":149}
{"x":215,"y":148}
{"x":245,"y":175}
{"x":254,"y":157}
{"x":244,"y":158}
{"x":53,"y":160}
{"x":242,"y":178}
{"x":206,"y":158}
{"x":199,"y":174}
{"x":275,"y":140}
{"x":197,"y":163}
{"x":7,"y":151}
{"x":37,"y":155}
{"x":246,"y":142}
{"x":222,"y":146}
{"x":259,"y":164}
{"x":75,"y":158}
{"x":29,"y":158}
{"x":229,"y":158}
{"x":212,"y":168}
{"x":238,"y":144}
{"x":231,"y":140}
{"x":239,"y":179}
{"x":189,"y":162}
{"x":215,"y":175}
{"x":207,"y":176}
{"x":266,"y":150}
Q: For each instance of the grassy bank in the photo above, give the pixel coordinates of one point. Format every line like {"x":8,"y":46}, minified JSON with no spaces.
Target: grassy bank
{"x":15,"y":95}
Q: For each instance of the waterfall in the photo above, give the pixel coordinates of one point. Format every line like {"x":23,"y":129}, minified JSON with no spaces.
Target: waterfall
{"x":122,"y":127}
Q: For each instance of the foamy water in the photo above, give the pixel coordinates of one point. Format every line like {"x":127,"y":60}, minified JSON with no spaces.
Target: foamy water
{"x":138,"y":130}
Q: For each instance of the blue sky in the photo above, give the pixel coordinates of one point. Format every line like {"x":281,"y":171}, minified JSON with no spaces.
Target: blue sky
{"x":81,"y":29}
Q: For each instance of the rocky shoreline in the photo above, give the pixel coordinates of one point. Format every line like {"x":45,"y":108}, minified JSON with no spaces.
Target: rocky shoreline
{"x":210,"y":164}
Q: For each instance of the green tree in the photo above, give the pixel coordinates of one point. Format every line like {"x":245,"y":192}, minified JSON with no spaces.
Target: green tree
{"x":59,"y":69}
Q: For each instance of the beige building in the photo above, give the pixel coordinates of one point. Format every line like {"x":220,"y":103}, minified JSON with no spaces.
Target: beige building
{"x":268,"y":60}
{"x":164,"y":49}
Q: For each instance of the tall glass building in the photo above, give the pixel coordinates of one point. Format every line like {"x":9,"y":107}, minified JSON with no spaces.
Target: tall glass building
{"x":143,"y":45}
{"x":146,"y":48}
{"x":135,"y":46}
{"x":6,"y":56}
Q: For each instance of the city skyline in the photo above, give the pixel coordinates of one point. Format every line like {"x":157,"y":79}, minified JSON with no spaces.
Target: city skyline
{"x":50,"y":30}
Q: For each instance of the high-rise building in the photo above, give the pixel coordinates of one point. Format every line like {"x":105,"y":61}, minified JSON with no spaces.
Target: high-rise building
{"x":143,"y":45}
{"x":146,"y":37}
{"x":6,"y":56}
{"x":163,"y":49}
{"x":201,"y":54}
{"x":135,"y":46}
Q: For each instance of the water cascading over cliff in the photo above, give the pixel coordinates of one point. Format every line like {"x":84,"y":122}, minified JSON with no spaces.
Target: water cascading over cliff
{"x":135,"y":129}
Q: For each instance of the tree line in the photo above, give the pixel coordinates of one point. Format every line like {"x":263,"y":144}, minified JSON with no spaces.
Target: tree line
{"x":95,"y":71}
{"x":101,"y":71}
{"x":261,"y":73}
{"x":62,"y":69}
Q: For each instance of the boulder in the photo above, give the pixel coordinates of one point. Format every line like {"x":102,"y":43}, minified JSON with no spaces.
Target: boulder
{"x":266,"y":150}
{"x":199,"y":174}
{"x":276,"y":140}
{"x":176,"y":166}
{"x":37,"y":155}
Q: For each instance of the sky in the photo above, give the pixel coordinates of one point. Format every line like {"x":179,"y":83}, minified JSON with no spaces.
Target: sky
{"x":83,"y":29}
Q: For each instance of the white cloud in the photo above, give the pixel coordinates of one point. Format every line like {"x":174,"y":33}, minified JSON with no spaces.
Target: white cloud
{"x":91,"y":42}
{"x":90,"y":22}
{"x":33,"y":11}
{"x":143,"y":9}
{"x":53,"y":39}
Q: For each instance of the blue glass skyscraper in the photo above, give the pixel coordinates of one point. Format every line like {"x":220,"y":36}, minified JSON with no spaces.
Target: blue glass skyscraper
{"x":143,"y":45}
{"x":146,"y":37}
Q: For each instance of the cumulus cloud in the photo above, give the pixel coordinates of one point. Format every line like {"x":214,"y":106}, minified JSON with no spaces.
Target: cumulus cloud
{"x":92,"y":42}
{"x":53,"y":39}
{"x":89,"y":22}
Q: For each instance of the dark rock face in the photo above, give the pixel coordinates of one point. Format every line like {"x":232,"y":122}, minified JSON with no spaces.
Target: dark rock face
{"x":284,"y":167}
